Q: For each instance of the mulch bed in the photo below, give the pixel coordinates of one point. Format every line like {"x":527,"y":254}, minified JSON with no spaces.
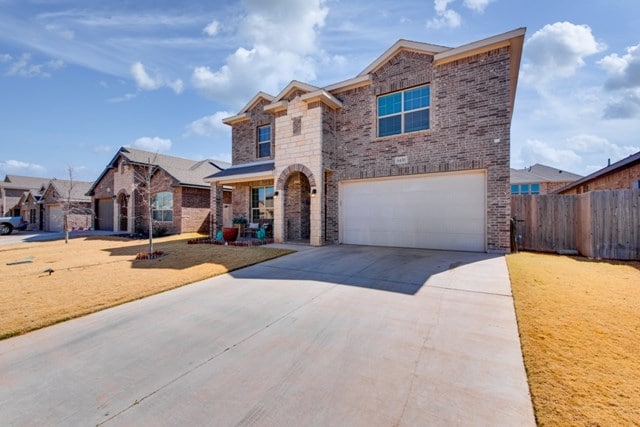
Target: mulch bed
{"x":243,"y":242}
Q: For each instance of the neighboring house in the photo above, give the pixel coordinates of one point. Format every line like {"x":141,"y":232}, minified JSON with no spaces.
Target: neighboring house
{"x":540,"y":179}
{"x":412,"y":152}
{"x":180,"y":197}
{"x":624,"y":174}
{"x":63,"y":197}
{"x":13,"y":188}
{"x":31,"y":209}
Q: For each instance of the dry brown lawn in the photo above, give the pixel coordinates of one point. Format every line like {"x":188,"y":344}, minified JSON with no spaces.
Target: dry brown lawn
{"x":579,"y":323}
{"x":94,"y":273}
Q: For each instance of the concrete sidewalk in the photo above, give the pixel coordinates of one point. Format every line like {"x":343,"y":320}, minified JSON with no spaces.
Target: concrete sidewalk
{"x":336,"y":335}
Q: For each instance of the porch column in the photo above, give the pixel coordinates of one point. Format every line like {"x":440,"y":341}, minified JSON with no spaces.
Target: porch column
{"x":217,"y":203}
{"x":316,"y":238}
{"x":278,"y":217}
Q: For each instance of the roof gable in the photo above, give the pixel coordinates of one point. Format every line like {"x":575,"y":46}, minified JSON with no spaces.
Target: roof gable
{"x":399,"y":46}
{"x":259,"y":96}
{"x":612,"y":168}
{"x":293,"y":86}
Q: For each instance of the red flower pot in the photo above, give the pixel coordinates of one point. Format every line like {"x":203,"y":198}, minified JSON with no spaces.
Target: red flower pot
{"x":229,"y":234}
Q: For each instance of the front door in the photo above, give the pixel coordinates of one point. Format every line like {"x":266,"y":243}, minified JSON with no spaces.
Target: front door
{"x":124,"y":219}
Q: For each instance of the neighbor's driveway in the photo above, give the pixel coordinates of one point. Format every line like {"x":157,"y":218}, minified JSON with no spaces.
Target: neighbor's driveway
{"x":339,"y":335}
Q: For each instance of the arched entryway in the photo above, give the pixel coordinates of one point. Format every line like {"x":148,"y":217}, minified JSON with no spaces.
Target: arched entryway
{"x":297,"y":207}
{"x":123,"y":212}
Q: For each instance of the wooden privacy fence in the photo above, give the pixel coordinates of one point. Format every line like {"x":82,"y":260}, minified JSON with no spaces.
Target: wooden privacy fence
{"x":598,"y":224}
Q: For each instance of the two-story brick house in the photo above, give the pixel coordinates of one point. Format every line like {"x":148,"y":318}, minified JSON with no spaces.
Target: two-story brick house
{"x":412,"y":152}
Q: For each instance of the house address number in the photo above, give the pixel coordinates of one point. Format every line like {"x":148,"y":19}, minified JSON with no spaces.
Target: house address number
{"x":401,"y":160}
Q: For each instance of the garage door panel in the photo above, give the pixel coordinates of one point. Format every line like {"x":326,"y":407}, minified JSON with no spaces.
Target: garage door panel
{"x":444,"y":211}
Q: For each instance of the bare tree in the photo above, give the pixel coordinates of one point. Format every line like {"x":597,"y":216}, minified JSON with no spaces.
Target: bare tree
{"x":71,"y":206}
{"x":143,"y":176}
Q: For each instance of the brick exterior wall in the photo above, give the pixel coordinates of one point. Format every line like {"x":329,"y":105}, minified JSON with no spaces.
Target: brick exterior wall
{"x":624,"y":178}
{"x":244,"y":136}
{"x":469,"y":111}
{"x":191,"y":206}
{"x":550,"y":187}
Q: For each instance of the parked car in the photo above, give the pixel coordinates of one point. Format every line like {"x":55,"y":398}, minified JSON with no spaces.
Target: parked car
{"x":10,"y":223}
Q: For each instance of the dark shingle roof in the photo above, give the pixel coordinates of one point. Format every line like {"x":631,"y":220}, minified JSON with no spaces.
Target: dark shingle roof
{"x":244,"y":170}
{"x":26,"y":182}
{"x":541,"y":173}
{"x":78,"y":190}
{"x":187,"y":172}
{"x":628,"y":161}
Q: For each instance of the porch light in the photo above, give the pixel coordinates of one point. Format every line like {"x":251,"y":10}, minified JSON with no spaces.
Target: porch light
{"x":313,"y":192}
{"x":276,"y":194}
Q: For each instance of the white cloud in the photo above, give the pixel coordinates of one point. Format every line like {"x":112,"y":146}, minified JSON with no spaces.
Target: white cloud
{"x":154,"y":144}
{"x":283,"y":47}
{"x":23,"y":67}
{"x":577,"y":153}
{"x":477,"y":5}
{"x":536,"y":151}
{"x":624,"y":71}
{"x":17,"y":165}
{"x":624,"y":80}
{"x":557,"y":51}
{"x":5,"y":57}
{"x":445,"y":18}
{"x":210,"y":126}
{"x":146,"y":82}
{"x":212,"y":28}
{"x":627,"y":106}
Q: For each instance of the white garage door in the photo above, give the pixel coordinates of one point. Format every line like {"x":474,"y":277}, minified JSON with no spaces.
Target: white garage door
{"x":435,"y":211}
{"x":55,"y":218}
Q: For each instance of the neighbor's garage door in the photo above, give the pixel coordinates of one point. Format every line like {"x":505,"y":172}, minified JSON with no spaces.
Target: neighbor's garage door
{"x":55,"y":218}
{"x":104,"y":214}
{"x":435,"y":211}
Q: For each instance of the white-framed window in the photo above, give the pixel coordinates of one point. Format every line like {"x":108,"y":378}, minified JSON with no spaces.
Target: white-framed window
{"x":264,"y":141}
{"x":162,"y":206}
{"x":261,"y":203}
{"x":403,"y":112}
{"x":532,"y":188}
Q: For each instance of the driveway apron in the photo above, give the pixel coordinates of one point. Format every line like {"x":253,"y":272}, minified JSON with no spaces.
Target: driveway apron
{"x":337,"y":335}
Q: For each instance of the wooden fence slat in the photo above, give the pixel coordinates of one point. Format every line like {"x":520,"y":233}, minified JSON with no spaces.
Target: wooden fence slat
{"x":599,"y":224}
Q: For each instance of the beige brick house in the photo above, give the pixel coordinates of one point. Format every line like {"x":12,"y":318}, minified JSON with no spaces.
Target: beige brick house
{"x":412,"y":152}
{"x":180,"y":197}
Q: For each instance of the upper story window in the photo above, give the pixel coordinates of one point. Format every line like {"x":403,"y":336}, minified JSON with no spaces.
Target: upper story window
{"x":162,"y":206}
{"x":264,"y":141}
{"x":403,"y":112}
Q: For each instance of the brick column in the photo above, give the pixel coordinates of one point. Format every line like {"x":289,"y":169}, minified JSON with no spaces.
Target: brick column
{"x":278,"y":217}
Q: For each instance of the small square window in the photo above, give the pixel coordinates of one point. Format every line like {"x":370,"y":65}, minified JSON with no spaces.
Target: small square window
{"x":515,"y":189}
{"x":524,"y":188}
{"x":535,"y":188}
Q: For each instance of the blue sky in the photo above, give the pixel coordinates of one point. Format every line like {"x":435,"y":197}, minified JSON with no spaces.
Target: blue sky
{"x":78,"y":79}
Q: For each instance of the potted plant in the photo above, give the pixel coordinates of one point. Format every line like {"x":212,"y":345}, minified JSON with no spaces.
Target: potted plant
{"x":240,"y":222}
{"x":229,"y":234}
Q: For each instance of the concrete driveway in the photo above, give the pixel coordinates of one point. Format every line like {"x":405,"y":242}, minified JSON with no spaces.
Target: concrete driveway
{"x":339,"y":335}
